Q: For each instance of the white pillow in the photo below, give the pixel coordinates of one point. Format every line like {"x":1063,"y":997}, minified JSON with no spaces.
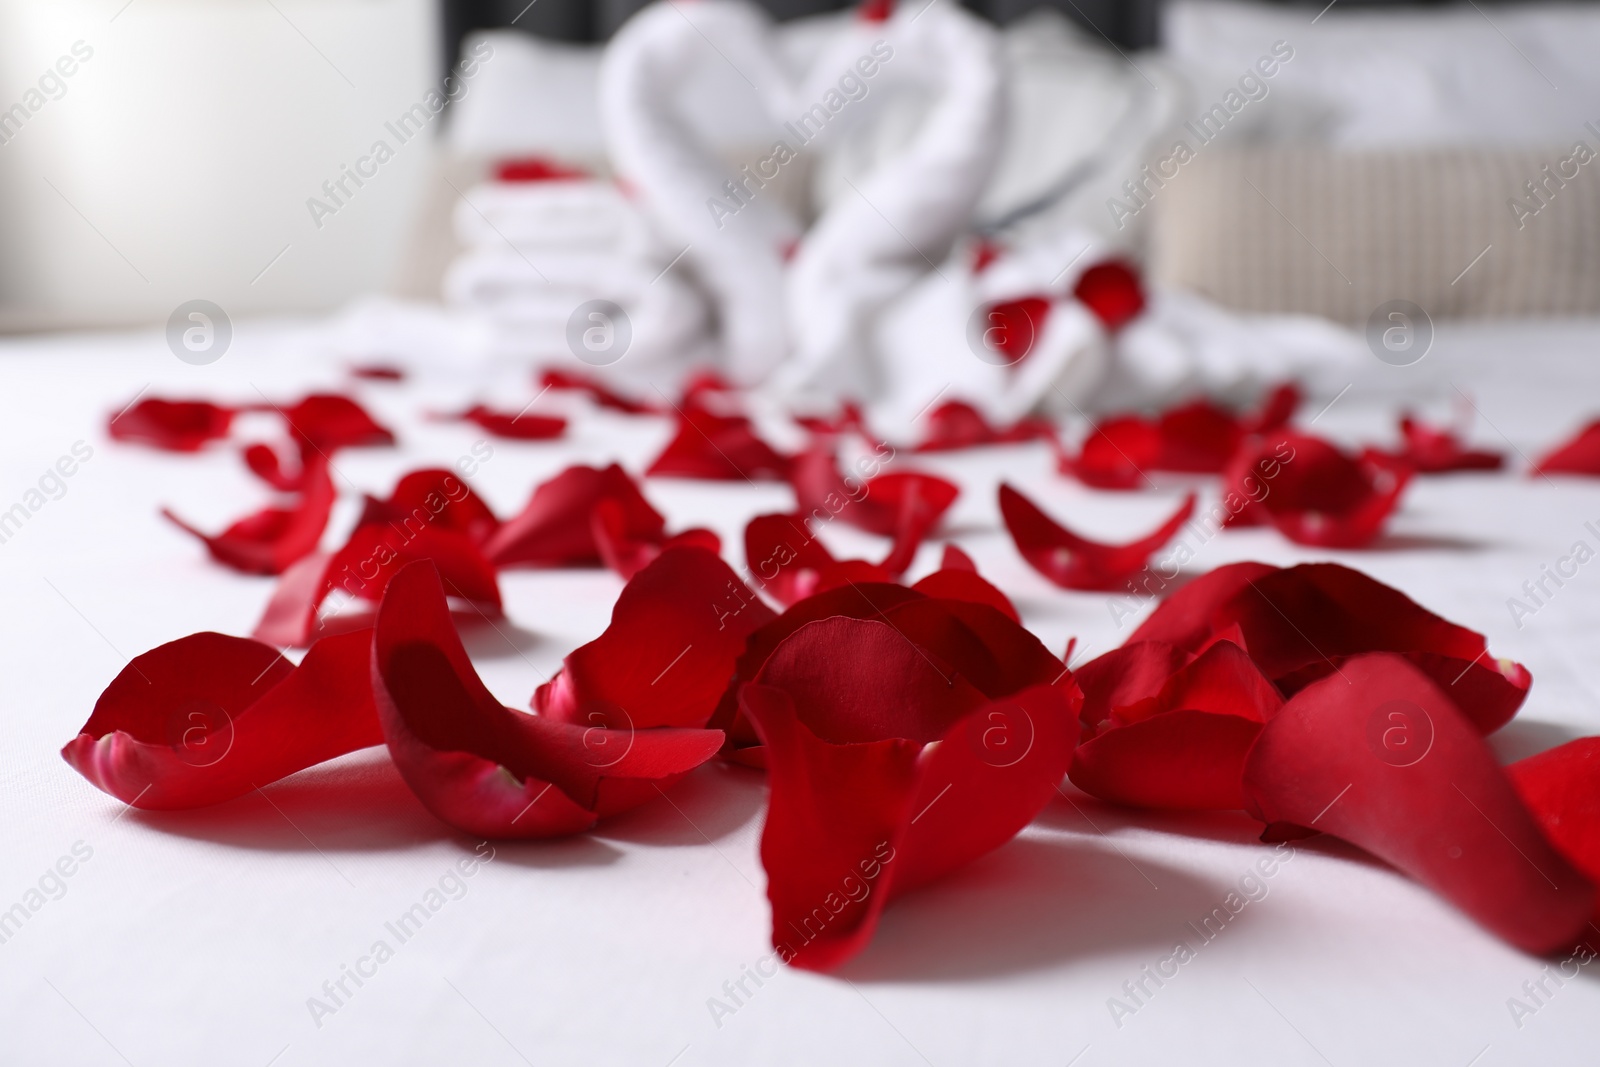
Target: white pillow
{"x":1461,"y":75}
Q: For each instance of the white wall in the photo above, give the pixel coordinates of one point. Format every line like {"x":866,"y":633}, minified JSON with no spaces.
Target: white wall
{"x":191,"y":140}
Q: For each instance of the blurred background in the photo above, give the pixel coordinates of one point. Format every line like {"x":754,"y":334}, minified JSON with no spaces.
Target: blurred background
{"x":185,"y":154}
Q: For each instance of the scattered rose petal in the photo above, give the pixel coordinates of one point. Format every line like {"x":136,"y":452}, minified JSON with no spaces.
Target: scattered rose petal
{"x":433,"y":497}
{"x":791,"y":563}
{"x":485,"y":768}
{"x":271,"y":540}
{"x":1015,"y":326}
{"x":173,"y":425}
{"x":956,"y":424}
{"x":627,"y":555}
{"x":1075,"y":562}
{"x":597,"y":391}
{"x":537,"y":169}
{"x":1159,"y":732}
{"x":1379,"y":756}
{"x":1112,"y":291}
{"x":556,"y":529}
{"x":207,"y":718}
{"x":904,"y":505}
{"x":1311,"y":491}
{"x":1579,"y":455}
{"x":1301,"y":623}
{"x":327,"y":422}
{"x":1561,"y":787}
{"x":676,"y":632}
{"x":518,"y":427}
{"x":1435,"y":450}
{"x":718,"y":447}
{"x":378,"y":372}
{"x":864,"y":806}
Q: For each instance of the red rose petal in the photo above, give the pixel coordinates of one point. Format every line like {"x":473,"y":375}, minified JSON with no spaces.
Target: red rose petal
{"x":327,"y":422}
{"x":1300,"y":623}
{"x":786,"y":556}
{"x":556,"y":529}
{"x":537,"y":169}
{"x":1075,"y":562}
{"x":905,"y":505}
{"x":1115,"y":455}
{"x":208,"y":718}
{"x":1311,"y":491}
{"x":960,"y":583}
{"x":676,"y":633}
{"x":1379,"y":756}
{"x":956,"y":424}
{"x":433,"y":497}
{"x":265,"y":463}
{"x":597,"y":391}
{"x":378,"y":372}
{"x":718,"y":447}
{"x":363,"y":568}
{"x":1182,"y":745}
{"x":861,"y":813}
{"x":1434,"y":450}
{"x":1579,"y":455}
{"x":626,"y":555}
{"x":484,"y":768}
{"x":174,"y":425}
{"x":1112,"y":291}
{"x":271,"y":540}
{"x":518,"y":427}
{"x":1561,"y":787}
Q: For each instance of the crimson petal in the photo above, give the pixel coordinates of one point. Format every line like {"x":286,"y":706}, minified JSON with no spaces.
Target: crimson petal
{"x":518,"y":427}
{"x":956,"y":424}
{"x":556,"y":528}
{"x":1379,"y":756}
{"x":1561,"y":787}
{"x":326,"y":422}
{"x":1434,"y":450}
{"x":719,"y":447}
{"x":208,"y":718}
{"x":676,"y":633}
{"x":1075,"y":562}
{"x":485,"y":768}
{"x":272,"y":540}
{"x":1311,"y":491}
{"x":1579,"y":455}
{"x":433,"y":497}
{"x":174,"y":425}
{"x":597,"y":391}
{"x":1112,"y":291}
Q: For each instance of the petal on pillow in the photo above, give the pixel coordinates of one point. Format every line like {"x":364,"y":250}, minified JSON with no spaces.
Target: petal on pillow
{"x":1379,"y":756}
{"x":1075,"y":562}
{"x":208,"y":718}
{"x":484,"y":768}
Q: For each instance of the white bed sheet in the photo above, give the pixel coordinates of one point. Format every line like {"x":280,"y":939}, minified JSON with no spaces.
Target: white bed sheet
{"x":199,"y":937}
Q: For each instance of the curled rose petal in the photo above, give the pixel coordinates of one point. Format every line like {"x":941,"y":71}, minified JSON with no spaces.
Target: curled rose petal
{"x":1156,"y":739}
{"x":556,"y":528}
{"x":1561,"y":787}
{"x":719,"y":447}
{"x":1435,"y":450}
{"x":433,"y":497}
{"x":1115,"y":455}
{"x":518,"y":427}
{"x":904,"y":505}
{"x":627,"y":556}
{"x":1300,"y":623}
{"x":208,"y":718}
{"x":885,"y":776}
{"x":485,"y":768}
{"x":1379,"y":756}
{"x":362,"y":570}
{"x":267,"y":464}
{"x":963,"y":582}
{"x":174,"y":425}
{"x":271,"y":540}
{"x":597,"y":391}
{"x":1311,"y":491}
{"x":1075,"y":562}
{"x":1112,"y":291}
{"x":676,"y":633}
{"x":956,"y":424}
{"x":1579,"y":455}
{"x":327,"y":422}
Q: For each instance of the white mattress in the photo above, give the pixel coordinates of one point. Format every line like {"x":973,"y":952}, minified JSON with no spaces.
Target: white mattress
{"x":199,"y":937}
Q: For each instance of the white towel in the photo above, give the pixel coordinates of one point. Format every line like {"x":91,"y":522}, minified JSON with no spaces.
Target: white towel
{"x":580,"y":216}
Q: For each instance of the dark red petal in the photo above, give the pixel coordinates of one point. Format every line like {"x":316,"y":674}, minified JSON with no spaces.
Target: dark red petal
{"x":718,"y":447}
{"x":487,"y":769}
{"x":1116,"y":454}
{"x":326,"y":422}
{"x":1181,"y":746}
{"x":905,"y":505}
{"x":436,"y":498}
{"x":962,"y":583}
{"x":1112,"y":291}
{"x":1299,"y":623}
{"x":516,"y":427}
{"x":850,"y":827}
{"x":1579,"y":455}
{"x":1314,"y":493}
{"x":265,"y":463}
{"x":378,"y":372}
{"x":1561,"y":787}
{"x":273,"y":539}
{"x":1379,"y":756}
{"x":536,"y":169}
{"x":1197,"y":438}
{"x":175,"y":425}
{"x":1276,"y":410}
{"x":628,"y":556}
{"x":1075,"y":562}
{"x":956,"y":424}
{"x":785,"y":556}
{"x":556,"y":529}
{"x":208,"y":718}
{"x":1434,"y":450}
{"x":363,"y":568}
{"x":597,"y":391}
{"x":954,"y":559}
{"x":669,"y":653}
